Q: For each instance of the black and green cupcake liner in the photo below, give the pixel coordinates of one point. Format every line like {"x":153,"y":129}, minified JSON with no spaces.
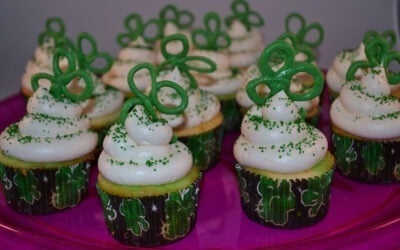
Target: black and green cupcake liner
{"x":232,"y":115}
{"x":205,"y":147}
{"x":152,"y":220}
{"x":45,"y":190}
{"x":284,"y":203}
{"x":375,"y":162}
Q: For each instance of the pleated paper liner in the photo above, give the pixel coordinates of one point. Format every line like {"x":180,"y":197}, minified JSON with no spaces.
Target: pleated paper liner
{"x":204,"y":142}
{"x":152,"y":220}
{"x":368,"y":161}
{"x":231,"y":112}
{"x":42,"y":190}
{"x":286,"y":201}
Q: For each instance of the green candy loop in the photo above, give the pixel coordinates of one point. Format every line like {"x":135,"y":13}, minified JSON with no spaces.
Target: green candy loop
{"x":281,"y":79}
{"x":304,"y":30}
{"x":183,"y":19}
{"x":214,"y":38}
{"x":55,"y":29}
{"x":61,"y":78}
{"x":151,"y":103}
{"x":379,"y":54}
{"x":138,"y":30}
{"x":298,"y":48}
{"x":86,"y":59}
{"x":388,"y":35}
{"x":241,"y":11}
{"x":182,"y":61}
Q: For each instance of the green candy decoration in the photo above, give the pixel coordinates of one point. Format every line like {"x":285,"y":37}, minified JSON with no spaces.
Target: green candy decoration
{"x":55,"y":30}
{"x":183,"y":19}
{"x":139,"y":29}
{"x":378,"y":53}
{"x":280,"y":80}
{"x":243,"y":13}
{"x":388,"y":35}
{"x":182,"y":61}
{"x":304,"y":30}
{"x":297,"y":47}
{"x":211,"y":37}
{"x":61,"y":78}
{"x":151,"y":103}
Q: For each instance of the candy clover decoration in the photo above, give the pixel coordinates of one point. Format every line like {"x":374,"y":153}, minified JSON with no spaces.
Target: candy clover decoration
{"x":151,"y":103}
{"x":86,"y":59}
{"x":183,"y":19}
{"x":388,"y":35}
{"x":378,"y":53}
{"x":212,"y":37}
{"x":182,"y":61}
{"x":136,"y":27}
{"x":55,"y":31}
{"x":241,"y":12}
{"x":61,"y":78}
{"x":304,"y":30}
{"x":280,"y":79}
{"x":298,"y":48}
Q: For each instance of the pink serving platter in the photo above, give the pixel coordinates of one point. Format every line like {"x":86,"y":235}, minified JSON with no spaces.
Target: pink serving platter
{"x":361,"y":216}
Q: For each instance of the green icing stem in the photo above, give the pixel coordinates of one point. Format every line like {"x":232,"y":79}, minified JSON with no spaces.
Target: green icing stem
{"x":241,"y":11}
{"x":151,"y":103}
{"x":280,"y":79}
{"x":182,"y":61}
{"x":378,"y":54}
{"x":61,"y":78}
{"x":304,"y":30}
{"x":138,"y":29}
{"x":212,"y":37}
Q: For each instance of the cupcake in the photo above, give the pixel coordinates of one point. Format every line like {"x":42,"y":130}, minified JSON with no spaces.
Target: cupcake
{"x":42,"y":60}
{"x":247,"y":41}
{"x":200,"y":125}
{"x":300,"y":82}
{"x":225,"y":81}
{"x":174,"y":21}
{"x":336,"y":74}
{"x":365,"y":118}
{"x":137,"y":44}
{"x":147,"y":183}
{"x":45,"y":157}
{"x":283,"y":163}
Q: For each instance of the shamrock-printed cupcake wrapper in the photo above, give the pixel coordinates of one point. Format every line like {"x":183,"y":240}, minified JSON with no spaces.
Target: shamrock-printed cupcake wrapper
{"x":205,"y":147}
{"x":284,"y":203}
{"x":367,"y":161}
{"x":232,"y":115}
{"x":45,"y":190}
{"x":152,"y":220}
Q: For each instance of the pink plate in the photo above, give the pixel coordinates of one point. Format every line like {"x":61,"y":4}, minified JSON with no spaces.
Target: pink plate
{"x":361,"y":216}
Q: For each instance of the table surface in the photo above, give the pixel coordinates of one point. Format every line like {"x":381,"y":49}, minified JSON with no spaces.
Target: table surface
{"x":361,"y":216}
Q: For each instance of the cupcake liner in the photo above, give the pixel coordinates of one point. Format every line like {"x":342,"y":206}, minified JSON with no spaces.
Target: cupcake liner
{"x":374,"y":162}
{"x":45,"y":190}
{"x":284,"y":203}
{"x":152,"y":220}
{"x":232,"y":116}
{"x":205,"y":147}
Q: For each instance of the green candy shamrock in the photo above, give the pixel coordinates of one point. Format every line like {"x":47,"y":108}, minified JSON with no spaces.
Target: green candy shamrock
{"x":242,"y":12}
{"x":304,"y":30}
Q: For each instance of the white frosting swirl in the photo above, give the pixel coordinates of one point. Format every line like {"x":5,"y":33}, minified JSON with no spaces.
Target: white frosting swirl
{"x":139,"y":152}
{"x":245,"y":47}
{"x":366,"y":109}
{"x":51,"y":131}
{"x":202,"y":106}
{"x":336,"y":75}
{"x":274,"y":139}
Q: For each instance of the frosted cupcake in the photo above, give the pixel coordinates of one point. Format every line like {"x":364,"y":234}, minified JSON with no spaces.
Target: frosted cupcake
{"x":336,"y":75}
{"x":42,"y":60}
{"x":200,"y":125}
{"x":247,"y":41}
{"x":365,"y":119}
{"x":174,"y":21}
{"x":284,"y":166}
{"x":137,"y":47}
{"x":45,"y":157}
{"x":147,"y":183}
{"x":300,"y":83}
{"x":211,"y":42}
